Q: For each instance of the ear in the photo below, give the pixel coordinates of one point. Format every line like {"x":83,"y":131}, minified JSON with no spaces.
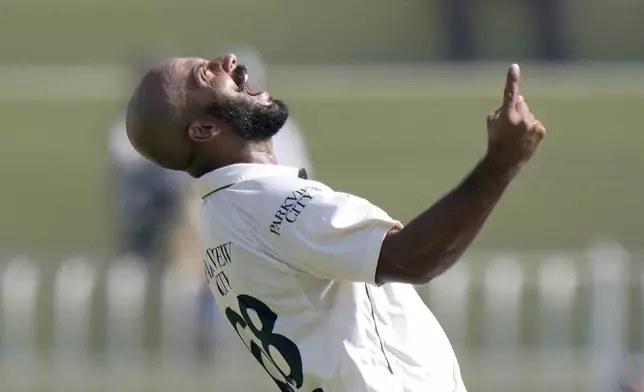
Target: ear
{"x":202,"y":131}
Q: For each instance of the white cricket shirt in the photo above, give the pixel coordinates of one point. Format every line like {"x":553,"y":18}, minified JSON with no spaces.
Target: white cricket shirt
{"x":292,"y":265}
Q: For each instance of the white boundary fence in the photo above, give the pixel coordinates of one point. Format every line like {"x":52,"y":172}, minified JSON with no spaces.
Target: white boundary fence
{"x":554,"y":320}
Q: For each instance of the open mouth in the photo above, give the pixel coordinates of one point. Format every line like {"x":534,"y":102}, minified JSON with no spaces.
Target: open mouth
{"x":240,"y":77}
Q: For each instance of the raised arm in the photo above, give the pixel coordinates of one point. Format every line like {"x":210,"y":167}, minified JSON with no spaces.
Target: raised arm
{"x":435,"y":240}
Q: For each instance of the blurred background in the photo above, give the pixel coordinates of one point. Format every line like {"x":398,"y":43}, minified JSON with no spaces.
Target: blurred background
{"x":100,"y":270}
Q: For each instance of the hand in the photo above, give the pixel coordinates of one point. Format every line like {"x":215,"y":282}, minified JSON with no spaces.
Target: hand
{"x":513,"y":132}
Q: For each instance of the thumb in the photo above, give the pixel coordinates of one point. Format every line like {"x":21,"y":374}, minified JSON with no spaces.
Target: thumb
{"x":511,"y":93}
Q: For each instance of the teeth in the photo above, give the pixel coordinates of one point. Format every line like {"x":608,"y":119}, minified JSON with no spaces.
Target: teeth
{"x":246,"y":78}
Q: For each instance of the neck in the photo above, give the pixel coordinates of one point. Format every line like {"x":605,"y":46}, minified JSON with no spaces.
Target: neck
{"x":260,"y":152}
{"x":256,"y":152}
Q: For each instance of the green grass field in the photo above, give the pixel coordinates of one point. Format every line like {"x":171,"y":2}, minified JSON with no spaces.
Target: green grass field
{"x":400,"y":137}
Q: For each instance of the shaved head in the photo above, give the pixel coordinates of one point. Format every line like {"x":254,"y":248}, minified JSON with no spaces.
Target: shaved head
{"x":195,"y":115}
{"x":156,"y":114}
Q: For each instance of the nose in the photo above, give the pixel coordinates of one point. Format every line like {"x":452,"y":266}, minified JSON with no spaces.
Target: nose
{"x":228,"y":62}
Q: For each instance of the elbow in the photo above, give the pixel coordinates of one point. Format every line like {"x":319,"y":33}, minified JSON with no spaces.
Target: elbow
{"x":400,"y":261}
{"x":437,"y":265}
{"x":420,"y":280}
{"x":414,"y":270}
{"x":430,"y":268}
{"x":411,"y":270}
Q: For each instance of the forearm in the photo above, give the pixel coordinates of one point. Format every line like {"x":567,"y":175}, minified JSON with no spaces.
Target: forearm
{"x":434,"y":240}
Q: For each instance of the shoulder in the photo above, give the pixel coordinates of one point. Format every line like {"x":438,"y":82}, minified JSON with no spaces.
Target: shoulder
{"x":258,"y":201}
{"x":274,"y":191}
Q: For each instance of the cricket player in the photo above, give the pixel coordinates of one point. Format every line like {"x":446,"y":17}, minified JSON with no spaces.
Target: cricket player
{"x":318,"y":284}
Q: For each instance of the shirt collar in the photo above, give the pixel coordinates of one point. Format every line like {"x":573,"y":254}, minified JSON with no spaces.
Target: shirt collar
{"x":229,"y":175}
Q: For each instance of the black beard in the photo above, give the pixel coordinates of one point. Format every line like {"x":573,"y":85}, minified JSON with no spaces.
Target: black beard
{"x":251,"y":122}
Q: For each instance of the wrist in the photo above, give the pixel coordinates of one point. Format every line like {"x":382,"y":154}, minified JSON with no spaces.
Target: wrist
{"x":504,"y":169}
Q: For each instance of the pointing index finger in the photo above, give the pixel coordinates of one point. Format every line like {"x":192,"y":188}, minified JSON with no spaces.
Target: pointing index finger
{"x":511,"y":93}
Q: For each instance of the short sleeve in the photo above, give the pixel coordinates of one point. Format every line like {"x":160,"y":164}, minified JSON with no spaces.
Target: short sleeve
{"x":335,"y":236}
